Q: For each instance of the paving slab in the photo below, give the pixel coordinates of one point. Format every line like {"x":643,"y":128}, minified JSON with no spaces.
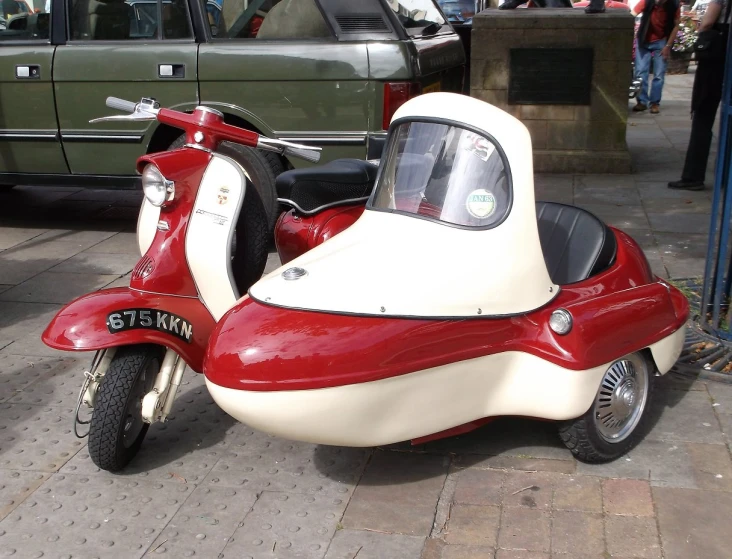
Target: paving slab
{"x":473,"y":525}
{"x":348,"y":544}
{"x":12,"y":236}
{"x":627,"y":497}
{"x":629,"y":536}
{"x":291,"y":467}
{"x":398,"y":493}
{"x":89,"y":262}
{"x":579,"y":533}
{"x":204,"y":524}
{"x":527,"y":529}
{"x":684,"y":417}
{"x":693,"y":524}
{"x":35,"y":437}
{"x":286,"y":525}
{"x":91,"y":516}
{"x":120,"y":243}
{"x":56,"y":287}
{"x":16,"y":486}
{"x":23,"y":261}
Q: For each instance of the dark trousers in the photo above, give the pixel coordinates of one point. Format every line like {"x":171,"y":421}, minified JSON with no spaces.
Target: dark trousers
{"x":705,"y":101}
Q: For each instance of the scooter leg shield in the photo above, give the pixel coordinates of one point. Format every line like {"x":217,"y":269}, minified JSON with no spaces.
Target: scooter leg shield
{"x":122,"y":316}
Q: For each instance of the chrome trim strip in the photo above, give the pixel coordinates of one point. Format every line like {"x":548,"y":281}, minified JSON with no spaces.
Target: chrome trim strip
{"x":29,"y":136}
{"x":324,"y":207}
{"x":115,"y":138}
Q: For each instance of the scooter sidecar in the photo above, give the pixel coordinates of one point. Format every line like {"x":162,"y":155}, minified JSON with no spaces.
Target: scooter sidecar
{"x":453,"y":298}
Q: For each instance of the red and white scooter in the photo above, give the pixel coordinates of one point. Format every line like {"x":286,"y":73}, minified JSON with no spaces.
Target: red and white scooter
{"x":203,"y":237}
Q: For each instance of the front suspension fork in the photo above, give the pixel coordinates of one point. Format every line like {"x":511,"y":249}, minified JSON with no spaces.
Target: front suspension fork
{"x":156,"y":404}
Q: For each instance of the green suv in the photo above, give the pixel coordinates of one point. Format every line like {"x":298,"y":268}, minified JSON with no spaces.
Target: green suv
{"x":322,"y":72}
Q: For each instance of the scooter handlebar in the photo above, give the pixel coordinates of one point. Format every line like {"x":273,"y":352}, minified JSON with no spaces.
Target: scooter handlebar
{"x":306,"y":154}
{"x":121,"y":104}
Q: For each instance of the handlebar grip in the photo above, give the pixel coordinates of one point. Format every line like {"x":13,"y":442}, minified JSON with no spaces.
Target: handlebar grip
{"x":306,"y":154}
{"x":121,"y":104}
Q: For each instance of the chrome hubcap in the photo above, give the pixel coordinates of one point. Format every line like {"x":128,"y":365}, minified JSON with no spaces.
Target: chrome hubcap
{"x":621,"y":399}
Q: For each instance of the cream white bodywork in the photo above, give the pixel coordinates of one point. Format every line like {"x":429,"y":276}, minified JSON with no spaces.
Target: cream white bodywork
{"x":210,"y":231}
{"x":400,"y":265}
{"x":426,"y":402}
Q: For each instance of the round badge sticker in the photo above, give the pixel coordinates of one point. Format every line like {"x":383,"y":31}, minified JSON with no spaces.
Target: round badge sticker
{"x":481,"y":203}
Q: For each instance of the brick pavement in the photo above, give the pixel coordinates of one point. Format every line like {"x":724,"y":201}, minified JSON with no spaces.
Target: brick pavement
{"x":206,"y":486}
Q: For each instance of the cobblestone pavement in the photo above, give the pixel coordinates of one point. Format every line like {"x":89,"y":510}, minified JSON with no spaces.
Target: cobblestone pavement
{"x":206,"y":486}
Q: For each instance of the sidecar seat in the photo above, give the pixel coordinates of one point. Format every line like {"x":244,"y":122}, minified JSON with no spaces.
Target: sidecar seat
{"x":575,"y":243}
{"x":343,"y":181}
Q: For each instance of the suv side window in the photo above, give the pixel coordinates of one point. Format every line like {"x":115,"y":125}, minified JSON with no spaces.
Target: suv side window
{"x":121,"y":20}
{"x":19,"y":21}
{"x":266,"y":19}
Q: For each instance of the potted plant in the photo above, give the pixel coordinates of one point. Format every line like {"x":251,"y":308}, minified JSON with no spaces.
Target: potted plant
{"x":678,"y":62}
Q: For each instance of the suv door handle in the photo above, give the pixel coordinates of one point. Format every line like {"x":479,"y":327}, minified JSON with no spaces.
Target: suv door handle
{"x":171,"y":70}
{"x":27,"y":72}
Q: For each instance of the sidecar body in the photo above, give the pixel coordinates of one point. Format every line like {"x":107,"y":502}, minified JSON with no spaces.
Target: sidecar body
{"x":453,"y":298}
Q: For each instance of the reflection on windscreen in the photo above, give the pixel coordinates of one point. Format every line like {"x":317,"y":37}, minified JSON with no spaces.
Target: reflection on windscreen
{"x":416,"y":13}
{"x":445,"y":173}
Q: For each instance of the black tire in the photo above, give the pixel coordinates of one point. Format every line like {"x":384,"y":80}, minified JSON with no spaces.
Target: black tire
{"x":262,"y":168}
{"x":588,"y":441}
{"x":115,"y":434}
{"x":251,"y":243}
{"x":6,"y":187}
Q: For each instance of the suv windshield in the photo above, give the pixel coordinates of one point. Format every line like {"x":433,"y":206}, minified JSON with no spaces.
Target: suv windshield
{"x":415,"y":15}
{"x":444,"y":173}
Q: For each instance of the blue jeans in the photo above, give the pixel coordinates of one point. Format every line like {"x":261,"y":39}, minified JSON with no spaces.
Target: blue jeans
{"x":643,"y":57}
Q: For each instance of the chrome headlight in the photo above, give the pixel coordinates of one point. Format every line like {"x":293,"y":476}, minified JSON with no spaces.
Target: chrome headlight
{"x":156,"y":187}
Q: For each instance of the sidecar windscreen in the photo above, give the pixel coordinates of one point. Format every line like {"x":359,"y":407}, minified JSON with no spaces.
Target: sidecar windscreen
{"x":444,"y":173}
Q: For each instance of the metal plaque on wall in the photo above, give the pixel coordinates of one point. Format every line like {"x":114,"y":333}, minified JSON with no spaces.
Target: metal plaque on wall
{"x":550,"y":76}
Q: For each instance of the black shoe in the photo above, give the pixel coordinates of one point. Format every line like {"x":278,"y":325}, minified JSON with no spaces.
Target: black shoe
{"x":684,"y":184}
{"x":511,"y":4}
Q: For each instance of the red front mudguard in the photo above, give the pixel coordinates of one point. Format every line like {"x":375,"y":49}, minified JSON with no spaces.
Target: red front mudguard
{"x":182,"y":324}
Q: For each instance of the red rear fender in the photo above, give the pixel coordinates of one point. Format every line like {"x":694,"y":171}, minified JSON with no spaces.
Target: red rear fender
{"x":122,"y":316}
{"x":296,"y":234}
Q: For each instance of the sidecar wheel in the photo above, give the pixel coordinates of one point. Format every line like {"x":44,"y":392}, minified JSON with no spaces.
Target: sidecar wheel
{"x":117,"y":429}
{"x":614,"y":422}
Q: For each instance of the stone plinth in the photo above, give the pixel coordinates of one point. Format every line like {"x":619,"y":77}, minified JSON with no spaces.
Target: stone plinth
{"x":566,"y":138}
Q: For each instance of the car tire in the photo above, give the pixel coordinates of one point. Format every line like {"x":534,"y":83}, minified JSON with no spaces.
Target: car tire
{"x":262,"y":168}
{"x":616,"y":420}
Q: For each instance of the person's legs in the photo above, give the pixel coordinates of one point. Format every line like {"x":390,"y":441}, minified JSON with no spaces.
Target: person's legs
{"x":705,"y":100}
{"x":659,"y":71}
{"x":642,"y":65}
{"x":700,"y":140}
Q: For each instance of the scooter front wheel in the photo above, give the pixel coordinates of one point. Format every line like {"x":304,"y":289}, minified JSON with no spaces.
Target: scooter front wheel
{"x":117,"y":429}
{"x":614,"y":423}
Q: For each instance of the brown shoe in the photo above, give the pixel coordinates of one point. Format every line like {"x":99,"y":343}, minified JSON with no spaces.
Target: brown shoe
{"x":655,"y":109}
{"x":639,"y":107}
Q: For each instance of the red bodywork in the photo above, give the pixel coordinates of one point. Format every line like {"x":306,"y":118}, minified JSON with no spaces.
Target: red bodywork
{"x":161,"y":280}
{"x":261,"y":347}
{"x":258,"y":347}
{"x":81,"y":325}
{"x":295,"y":234}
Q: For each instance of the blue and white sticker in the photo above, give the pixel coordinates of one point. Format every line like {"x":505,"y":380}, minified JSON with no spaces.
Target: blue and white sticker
{"x":481,"y":203}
